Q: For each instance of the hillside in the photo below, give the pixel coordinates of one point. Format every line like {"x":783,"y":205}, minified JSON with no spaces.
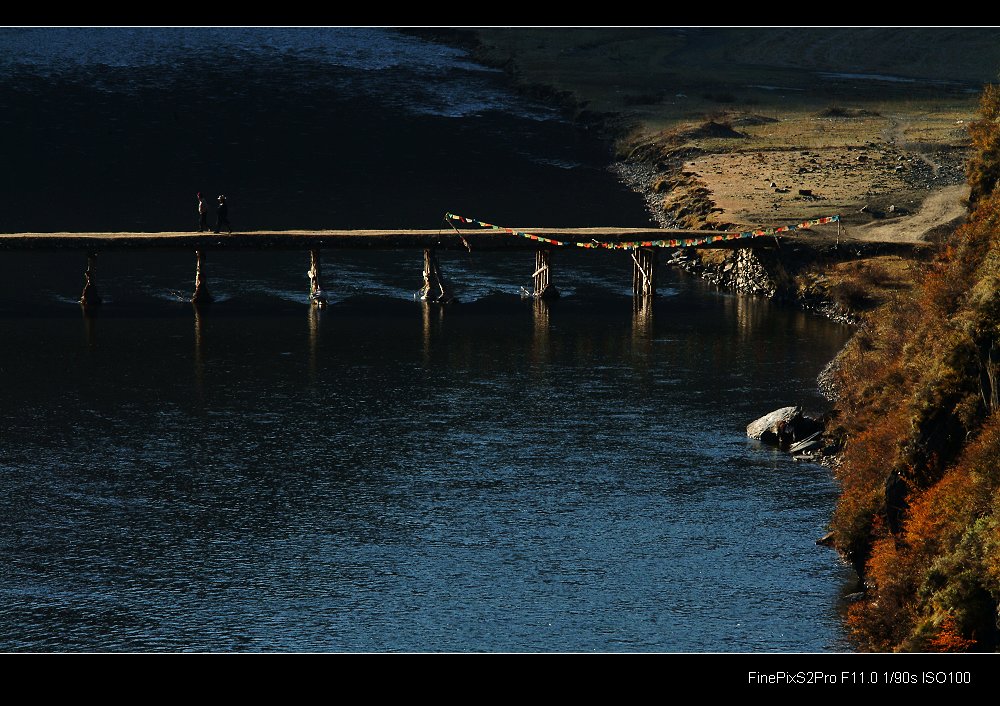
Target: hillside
{"x":919,"y":408}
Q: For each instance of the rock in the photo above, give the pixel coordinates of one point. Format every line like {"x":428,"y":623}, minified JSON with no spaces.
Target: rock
{"x":757,"y":429}
{"x":805,"y":192}
{"x":773,"y":185}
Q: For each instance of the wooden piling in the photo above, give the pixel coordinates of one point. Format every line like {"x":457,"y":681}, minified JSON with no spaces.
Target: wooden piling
{"x":89,"y":296}
{"x":201,"y":295}
{"x":542,"y":277}
{"x":425,"y":291}
{"x":433,"y":279}
{"x":316,"y":294}
{"x":644,"y":261}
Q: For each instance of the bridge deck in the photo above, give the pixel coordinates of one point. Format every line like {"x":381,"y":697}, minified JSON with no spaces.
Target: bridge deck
{"x":446,"y":238}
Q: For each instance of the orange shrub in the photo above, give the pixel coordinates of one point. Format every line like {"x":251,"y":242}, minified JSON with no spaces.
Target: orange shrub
{"x":938,"y":517}
{"x":868,"y":458}
{"x":949,"y":639}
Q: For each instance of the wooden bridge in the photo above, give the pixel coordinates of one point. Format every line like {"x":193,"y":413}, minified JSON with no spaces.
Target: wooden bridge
{"x":435,"y":286}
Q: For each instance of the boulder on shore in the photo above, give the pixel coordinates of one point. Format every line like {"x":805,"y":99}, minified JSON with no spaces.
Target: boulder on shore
{"x":763,"y":428}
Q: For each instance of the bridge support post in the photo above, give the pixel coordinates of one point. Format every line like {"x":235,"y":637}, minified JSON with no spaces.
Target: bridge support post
{"x":542,"y":277}
{"x":316,"y":294}
{"x":89,"y":296}
{"x":434,"y":279}
{"x":644,"y":261}
{"x":201,"y":295}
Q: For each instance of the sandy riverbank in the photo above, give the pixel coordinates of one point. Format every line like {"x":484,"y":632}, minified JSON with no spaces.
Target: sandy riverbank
{"x":746,"y":128}
{"x":748,"y":135}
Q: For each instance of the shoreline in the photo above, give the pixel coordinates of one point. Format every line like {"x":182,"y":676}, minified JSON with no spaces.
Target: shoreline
{"x":693,"y":160}
{"x":904,"y":153}
{"x":894,"y":173}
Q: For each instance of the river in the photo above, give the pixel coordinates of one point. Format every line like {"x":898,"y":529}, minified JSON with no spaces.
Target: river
{"x":382,"y":475}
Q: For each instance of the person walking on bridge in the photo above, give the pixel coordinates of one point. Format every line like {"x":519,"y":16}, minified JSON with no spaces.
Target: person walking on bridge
{"x":202,"y":214}
{"x":222,"y":216}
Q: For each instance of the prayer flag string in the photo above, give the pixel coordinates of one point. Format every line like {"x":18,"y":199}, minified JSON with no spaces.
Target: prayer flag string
{"x":668,"y":243}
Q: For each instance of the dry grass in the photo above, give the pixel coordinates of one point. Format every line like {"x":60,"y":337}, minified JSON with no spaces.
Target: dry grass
{"x":884,"y":275}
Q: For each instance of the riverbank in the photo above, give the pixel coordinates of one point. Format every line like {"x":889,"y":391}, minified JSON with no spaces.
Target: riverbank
{"x":847,"y":122}
{"x":811,"y":123}
{"x":691,"y":97}
{"x":714,"y":138}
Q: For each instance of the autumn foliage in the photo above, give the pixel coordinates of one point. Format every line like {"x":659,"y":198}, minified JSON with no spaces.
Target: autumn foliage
{"x":984,"y":167}
{"x":919,"y":405}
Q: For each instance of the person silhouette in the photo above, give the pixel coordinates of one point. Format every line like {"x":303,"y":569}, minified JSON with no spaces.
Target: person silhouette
{"x":202,"y":214}
{"x":222,"y":215}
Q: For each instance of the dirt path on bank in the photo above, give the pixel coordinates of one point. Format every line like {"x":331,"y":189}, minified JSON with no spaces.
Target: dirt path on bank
{"x":941,"y":211}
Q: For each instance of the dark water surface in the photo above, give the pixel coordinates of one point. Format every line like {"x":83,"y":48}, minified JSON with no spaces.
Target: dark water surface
{"x":118,"y":129}
{"x":386,"y":475}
